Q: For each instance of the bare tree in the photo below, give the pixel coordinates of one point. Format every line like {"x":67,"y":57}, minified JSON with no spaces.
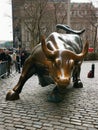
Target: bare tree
{"x":33,"y":12}
{"x":92,"y":20}
{"x":60,"y":13}
{"x":41,"y":16}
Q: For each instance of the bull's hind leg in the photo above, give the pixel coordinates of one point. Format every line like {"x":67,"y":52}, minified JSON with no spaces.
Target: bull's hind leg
{"x":27,"y":72}
{"x":76,"y":77}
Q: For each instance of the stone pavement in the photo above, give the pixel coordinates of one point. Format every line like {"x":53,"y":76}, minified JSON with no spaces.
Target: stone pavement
{"x":78,"y":110}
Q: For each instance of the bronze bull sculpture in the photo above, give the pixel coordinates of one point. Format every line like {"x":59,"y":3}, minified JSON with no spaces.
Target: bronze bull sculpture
{"x":55,"y":60}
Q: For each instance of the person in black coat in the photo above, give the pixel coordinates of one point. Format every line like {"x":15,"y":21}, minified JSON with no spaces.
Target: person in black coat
{"x":2,"y":56}
{"x":9,"y":62}
{"x":24,"y":56}
{"x":18,"y":60}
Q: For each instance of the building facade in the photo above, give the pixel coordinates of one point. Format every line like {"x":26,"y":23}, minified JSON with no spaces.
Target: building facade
{"x":32,"y":18}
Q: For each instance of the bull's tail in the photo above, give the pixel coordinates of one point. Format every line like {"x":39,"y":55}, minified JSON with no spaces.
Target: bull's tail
{"x":69,"y":30}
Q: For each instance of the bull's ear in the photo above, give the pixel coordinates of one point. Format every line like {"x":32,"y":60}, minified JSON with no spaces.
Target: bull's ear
{"x":49,"y":53}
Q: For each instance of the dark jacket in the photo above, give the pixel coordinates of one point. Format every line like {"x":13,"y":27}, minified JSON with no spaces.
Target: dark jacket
{"x":3,"y":56}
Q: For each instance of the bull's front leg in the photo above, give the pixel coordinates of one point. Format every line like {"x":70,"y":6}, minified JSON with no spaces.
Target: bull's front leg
{"x":76,"y":77}
{"x":27,"y":72}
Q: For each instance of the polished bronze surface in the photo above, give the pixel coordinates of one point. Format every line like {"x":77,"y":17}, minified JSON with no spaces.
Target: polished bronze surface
{"x":55,"y":60}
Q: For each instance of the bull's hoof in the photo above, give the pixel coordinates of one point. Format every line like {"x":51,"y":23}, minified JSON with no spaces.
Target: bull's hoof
{"x":56,"y":96}
{"x":11,"y":95}
{"x":78,"y":84}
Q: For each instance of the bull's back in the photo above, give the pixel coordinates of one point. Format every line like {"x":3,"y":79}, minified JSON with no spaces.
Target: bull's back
{"x":66,"y":41}
{"x":58,"y":41}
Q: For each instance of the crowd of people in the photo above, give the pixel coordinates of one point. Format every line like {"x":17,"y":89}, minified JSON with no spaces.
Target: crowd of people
{"x":16,"y":59}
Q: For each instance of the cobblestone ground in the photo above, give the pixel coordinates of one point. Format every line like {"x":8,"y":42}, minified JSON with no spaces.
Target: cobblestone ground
{"x":78,"y":110}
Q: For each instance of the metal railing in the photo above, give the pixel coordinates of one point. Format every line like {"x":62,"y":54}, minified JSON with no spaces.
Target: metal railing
{"x":3,"y":68}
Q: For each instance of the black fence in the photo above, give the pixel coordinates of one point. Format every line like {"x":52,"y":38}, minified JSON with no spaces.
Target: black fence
{"x":3,"y":68}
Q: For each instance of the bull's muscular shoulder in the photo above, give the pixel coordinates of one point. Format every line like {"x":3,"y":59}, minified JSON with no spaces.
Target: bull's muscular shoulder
{"x":68,"y":41}
{"x":38,"y":57}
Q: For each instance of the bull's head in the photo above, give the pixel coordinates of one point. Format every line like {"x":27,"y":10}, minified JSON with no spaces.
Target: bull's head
{"x":63,"y":62}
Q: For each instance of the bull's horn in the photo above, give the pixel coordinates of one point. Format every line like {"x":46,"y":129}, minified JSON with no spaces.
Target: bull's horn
{"x":84,"y":51}
{"x":80,"y":56}
{"x":69,"y":30}
{"x":47,"y":52}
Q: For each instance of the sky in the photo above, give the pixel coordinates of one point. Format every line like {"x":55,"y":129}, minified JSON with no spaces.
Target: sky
{"x":95,"y":2}
{"x":6,"y":18}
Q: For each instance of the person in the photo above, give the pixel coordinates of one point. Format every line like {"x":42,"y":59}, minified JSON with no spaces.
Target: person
{"x":2,"y":55}
{"x":23,"y":57}
{"x":9,"y":61}
{"x":18,"y":60}
{"x":14,"y":60}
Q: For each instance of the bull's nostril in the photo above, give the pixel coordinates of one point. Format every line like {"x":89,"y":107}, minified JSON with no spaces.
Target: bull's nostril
{"x":68,"y":79}
{"x":58,"y":78}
